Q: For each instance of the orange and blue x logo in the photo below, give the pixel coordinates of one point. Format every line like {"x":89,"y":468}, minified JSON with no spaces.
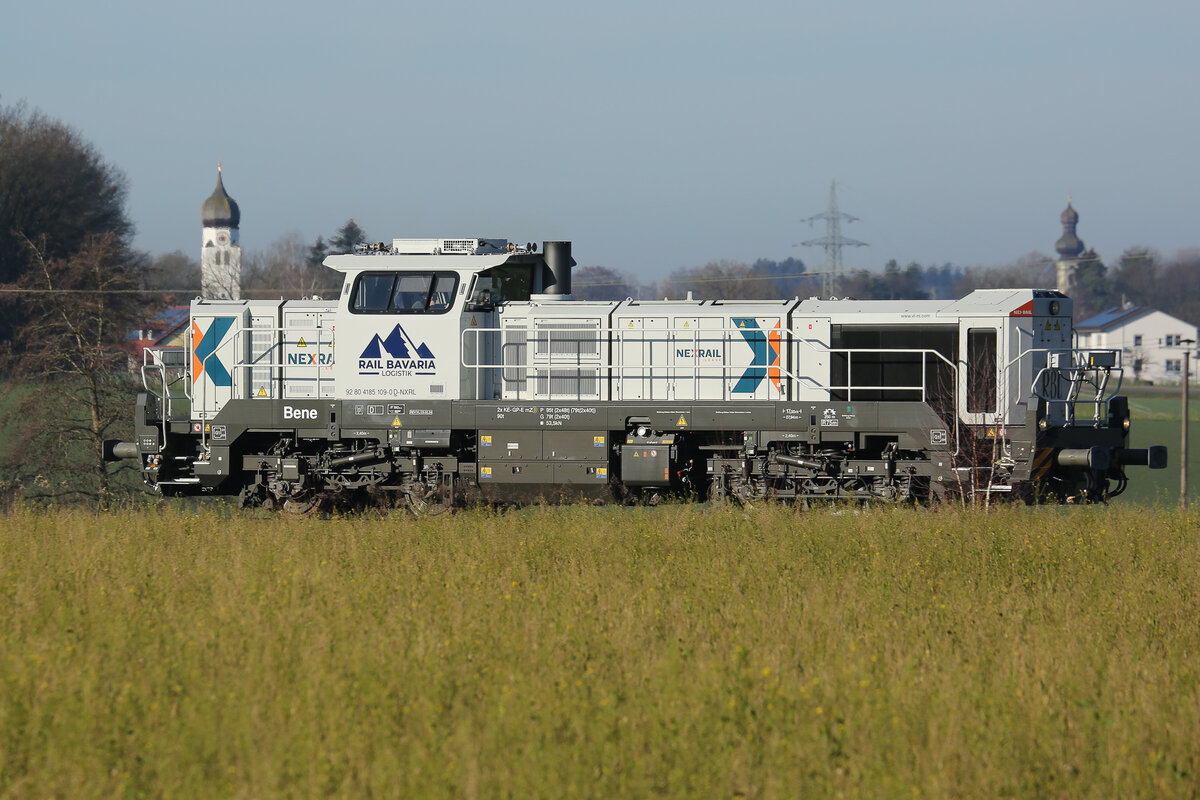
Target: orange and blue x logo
{"x":205,"y":345}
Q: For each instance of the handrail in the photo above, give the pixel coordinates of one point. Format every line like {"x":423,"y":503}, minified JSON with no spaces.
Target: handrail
{"x":850,"y":351}
{"x":154,"y":360}
{"x":720,"y":337}
{"x":1076,"y":374}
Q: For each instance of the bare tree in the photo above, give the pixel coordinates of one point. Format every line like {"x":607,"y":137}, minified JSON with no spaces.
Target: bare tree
{"x":1178,"y":291}
{"x":286,"y":269}
{"x":601,"y":283}
{"x":724,"y":279}
{"x":1139,"y":361}
{"x":78,"y":390}
{"x":1034,"y":269}
{"x":175,"y":274}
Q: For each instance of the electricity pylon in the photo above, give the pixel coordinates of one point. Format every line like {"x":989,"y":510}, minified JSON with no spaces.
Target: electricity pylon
{"x":833,"y":242}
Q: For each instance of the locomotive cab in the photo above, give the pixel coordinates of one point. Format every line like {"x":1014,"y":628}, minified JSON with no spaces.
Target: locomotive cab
{"x":404,"y":309}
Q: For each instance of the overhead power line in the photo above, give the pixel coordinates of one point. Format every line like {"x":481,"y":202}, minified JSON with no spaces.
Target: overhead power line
{"x":8,"y":290}
{"x":823,"y":274}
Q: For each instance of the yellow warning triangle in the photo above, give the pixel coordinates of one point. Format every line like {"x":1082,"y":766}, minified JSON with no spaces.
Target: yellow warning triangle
{"x":686,"y":324}
{"x":473,"y":322}
{"x":1056,"y":327}
{"x":636,"y":454}
{"x":682,"y":422}
{"x":396,"y":423}
{"x":631,"y":323}
{"x":301,"y":343}
{"x":742,"y":324}
{"x":262,"y":391}
{"x":1047,"y":324}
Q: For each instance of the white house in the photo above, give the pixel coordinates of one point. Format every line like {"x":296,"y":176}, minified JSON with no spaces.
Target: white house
{"x":1151,"y":341}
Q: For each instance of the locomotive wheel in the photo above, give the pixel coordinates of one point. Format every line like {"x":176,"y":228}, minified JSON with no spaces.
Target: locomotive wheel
{"x":257,"y":496}
{"x":425,"y":501}
{"x":717,"y":496}
{"x":422,"y":507}
{"x":304,"y":504}
{"x":253,"y":496}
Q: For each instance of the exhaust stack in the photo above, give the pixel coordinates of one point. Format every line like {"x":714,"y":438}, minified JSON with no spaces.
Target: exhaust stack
{"x":556,"y":279}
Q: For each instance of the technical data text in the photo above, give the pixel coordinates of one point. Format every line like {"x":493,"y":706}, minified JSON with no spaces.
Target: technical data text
{"x":552,"y":416}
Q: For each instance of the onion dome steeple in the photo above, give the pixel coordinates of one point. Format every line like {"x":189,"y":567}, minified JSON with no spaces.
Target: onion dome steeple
{"x":1070,"y":245}
{"x":220,"y":210}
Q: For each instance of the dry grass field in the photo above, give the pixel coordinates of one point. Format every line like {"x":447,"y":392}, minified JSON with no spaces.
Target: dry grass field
{"x":583,"y":652}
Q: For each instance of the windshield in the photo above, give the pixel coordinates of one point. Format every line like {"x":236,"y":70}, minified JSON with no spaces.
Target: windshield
{"x":404,"y":293}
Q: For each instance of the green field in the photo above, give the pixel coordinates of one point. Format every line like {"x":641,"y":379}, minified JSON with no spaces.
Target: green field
{"x":1157,"y":419}
{"x":583,"y":652}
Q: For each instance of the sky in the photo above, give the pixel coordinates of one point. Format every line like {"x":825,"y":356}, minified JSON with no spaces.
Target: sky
{"x":652,"y":135}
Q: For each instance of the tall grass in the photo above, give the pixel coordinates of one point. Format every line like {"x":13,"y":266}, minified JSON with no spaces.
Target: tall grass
{"x":578,"y":652}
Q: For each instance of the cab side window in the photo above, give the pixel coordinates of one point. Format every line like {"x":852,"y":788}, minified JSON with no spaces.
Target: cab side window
{"x":502,"y":284}
{"x":443,"y":292}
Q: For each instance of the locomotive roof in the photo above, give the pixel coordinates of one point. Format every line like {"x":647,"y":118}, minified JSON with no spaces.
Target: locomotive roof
{"x":980,"y":301}
{"x":358,"y":262}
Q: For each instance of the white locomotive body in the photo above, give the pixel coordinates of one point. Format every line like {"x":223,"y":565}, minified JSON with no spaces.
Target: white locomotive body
{"x":456,"y":367}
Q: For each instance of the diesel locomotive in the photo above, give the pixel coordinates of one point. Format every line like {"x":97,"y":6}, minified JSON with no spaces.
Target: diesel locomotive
{"x":449,"y":370}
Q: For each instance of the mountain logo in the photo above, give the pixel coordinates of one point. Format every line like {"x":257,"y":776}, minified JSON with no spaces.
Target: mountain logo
{"x":396,"y":355}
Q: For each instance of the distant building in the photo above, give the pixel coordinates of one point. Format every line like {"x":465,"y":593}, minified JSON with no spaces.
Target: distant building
{"x":1151,"y":341}
{"x":166,"y":329}
{"x":220,"y":255}
{"x":1069,"y":248}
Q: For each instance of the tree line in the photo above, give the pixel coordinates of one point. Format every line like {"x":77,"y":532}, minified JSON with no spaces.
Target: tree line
{"x":1141,"y":276}
{"x":767,"y":278}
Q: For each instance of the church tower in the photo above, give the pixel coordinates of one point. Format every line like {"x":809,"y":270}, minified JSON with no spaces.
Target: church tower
{"x":221,"y":255}
{"x":1069,"y":248}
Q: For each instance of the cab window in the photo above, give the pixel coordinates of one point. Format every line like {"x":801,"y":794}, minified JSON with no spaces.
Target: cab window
{"x":509,"y":282}
{"x":443,"y":292}
{"x":373,"y":292}
{"x":403,"y":293}
{"x":412,"y":292}
{"x":981,"y":370}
